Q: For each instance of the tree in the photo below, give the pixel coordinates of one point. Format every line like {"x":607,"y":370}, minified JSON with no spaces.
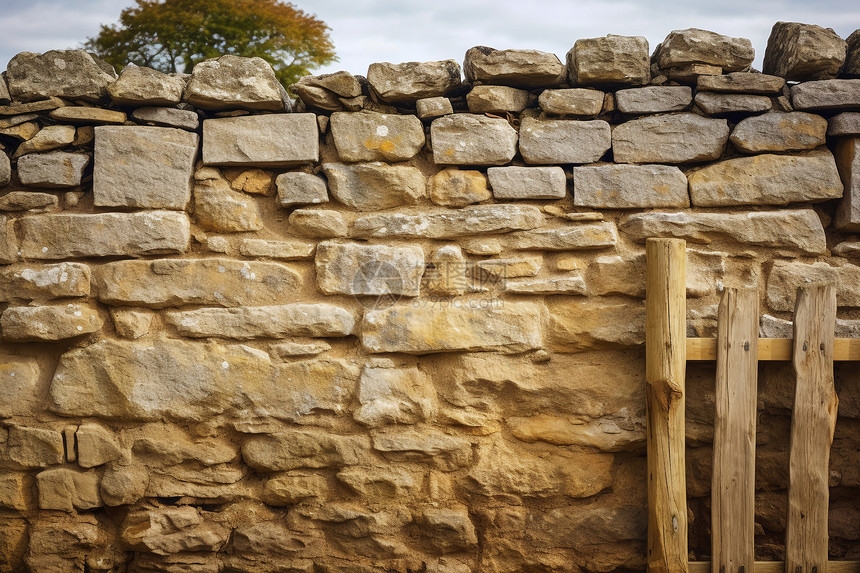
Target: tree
{"x":173,"y":35}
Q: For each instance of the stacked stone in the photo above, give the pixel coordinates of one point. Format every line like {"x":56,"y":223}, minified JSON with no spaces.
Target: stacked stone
{"x":399,"y":328}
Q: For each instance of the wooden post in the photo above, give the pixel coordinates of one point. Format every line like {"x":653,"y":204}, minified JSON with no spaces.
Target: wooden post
{"x":665,"y":369}
{"x":733,"y":478}
{"x":812,"y":423}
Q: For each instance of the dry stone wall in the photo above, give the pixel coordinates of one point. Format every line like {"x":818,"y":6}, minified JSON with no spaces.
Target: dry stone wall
{"x":396,"y":324}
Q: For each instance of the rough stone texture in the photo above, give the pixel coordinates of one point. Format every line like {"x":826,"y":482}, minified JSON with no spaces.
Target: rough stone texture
{"x":96,"y":445}
{"x":466,"y":139}
{"x":724,"y":103}
{"x":527,"y":182}
{"x":497,"y":99}
{"x":432,"y":107}
{"x":786,"y":276}
{"x":568,"y":238}
{"x":60,"y":236}
{"x":512,"y":327}
{"x":437,"y":224}
{"x":767,"y":180}
{"x":695,"y":46}
{"x":69,"y":74}
{"x":27,"y":201}
{"x":319,"y":320}
{"x":518,"y":68}
{"x":612,"y":60}
{"x":172,"y":282}
{"x":8,"y":241}
{"x":577,"y":325}
{"x":159,"y":177}
{"x":48,"y":138}
{"x":54,"y":170}
{"x":375,"y":186}
{"x":394,"y":396}
{"x":654,"y":99}
{"x":5,"y":98}
{"x":22,"y":131}
{"x":292,"y":250}
{"x":297,"y":188}
{"x":34,"y":447}
{"x":563,"y":141}
{"x":793,"y":131}
{"x":802,"y":52}
{"x":318,"y":223}
{"x":407,"y":82}
{"x":27,"y":108}
{"x":131,"y":323}
{"x":87,"y":115}
{"x":356,"y":269}
{"x":844,"y":124}
{"x":825,"y":95}
{"x":798,"y":229}
{"x":848,"y":162}
{"x":372,"y":136}
{"x":66,"y":490}
{"x":219,"y":208}
{"x":673,"y":138}
{"x":453,"y":187}
{"x":275,"y":140}
{"x":138,"y":86}
{"x":167,"y":117}
{"x":575,"y":102}
{"x":54,"y":322}
{"x":742,"y":82}
{"x":629,"y":186}
{"x":41,"y":282}
{"x":232,"y":82}
{"x":5,"y":170}
{"x":20,"y":382}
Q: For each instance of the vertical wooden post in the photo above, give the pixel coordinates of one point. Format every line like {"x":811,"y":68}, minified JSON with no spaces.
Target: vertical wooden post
{"x":665,"y":370}
{"x":812,"y":423}
{"x":733,"y":481}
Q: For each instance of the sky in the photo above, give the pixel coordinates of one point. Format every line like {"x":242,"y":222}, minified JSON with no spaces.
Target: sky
{"x":368,"y":31}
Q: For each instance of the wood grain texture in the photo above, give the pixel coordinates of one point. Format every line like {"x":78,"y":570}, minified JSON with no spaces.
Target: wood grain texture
{"x":733,"y":477}
{"x":812,"y":423}
{"x":779,"y":567}
{"x":703,"y":349}
{"x":665,"y":369}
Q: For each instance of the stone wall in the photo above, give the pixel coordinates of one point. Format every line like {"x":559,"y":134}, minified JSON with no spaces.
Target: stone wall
{"x":401,"y":327}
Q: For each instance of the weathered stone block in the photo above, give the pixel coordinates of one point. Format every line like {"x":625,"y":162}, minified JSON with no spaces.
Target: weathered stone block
{"x":577,"y":102}
{"x":848,"y":162}
{"x":654,"y":99}
{"x":36,"y":282}
{"x":826,"y":95}
{"x":742,"y":82}
{"x":356,"y":269}
{"x":795,"y":229}
{"x":35,"y":447}
{"x":563,"y":141}
{"x":69,"y":74}
{"x":273,"y":140}
{"x":176,"y":282}
{"x":394,"y":396}
{"x":466,"y":325}
{"x":786,"y":276}
{"x":67,"y":490}
{"x":375,"y":186}
{"x":793,"y":131}
{"x":432,"y":107}
{"x":803,"y":52}
{"x":497,"y":99}
{"x":234,"y":82}
{"x":46,"y":139}
{"x":62,"y":236}
{"x":448,"y":530}
{"x":8,"y":241}
{"x":319,"y":223}
{"x":527,"y":182}
{"x":20,"y":383}
{"x":78,"y":114}
{"x":54,"y":322}
{"x":304,"y":449}
{"x":448,"y":453}
{"x":264,"y":321}
{"x":603,"y":434}
{"x":372,"y":136}
{"x":576,"y":325}
{"x":325,"y":90}
{"x":454,"y":187}
{"x":844,"y":124}
{"x":724,"y":103}
{"x":447,"y":224}
{"x":219,"y":208}
{"x":291,"y":250}
{"x":5,"y":170}
{"x":130,"y":323}
{"x":629,"y":186}
{"x":140,"y":86}
{"x":695,"y":46}
{"x":171,"y":530}
{"x":517,"y":68}
{"x":149,"y":167}
{"x":14,"y":494}
{"x":407,"y":82}
{"x":27,"y":201}
{"x":612,"y":60}
{"x":766,"y":180}
{"x":96,"y":445}
{"x":167,"y":117}
{"x":291,"y":489}
{"x":573,"y":237}
{"x":672,"y":138}
{"x":57,"y":169}
{"x":467,"y":139}
{"x":375,"y":482}
{"x":570,"y":284}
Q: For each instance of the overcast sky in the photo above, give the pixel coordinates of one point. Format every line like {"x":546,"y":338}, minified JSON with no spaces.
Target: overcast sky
{"x":395,"y":31}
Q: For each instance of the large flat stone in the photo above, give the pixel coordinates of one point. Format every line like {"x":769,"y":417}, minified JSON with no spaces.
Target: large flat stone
{"x":826,"y":95}
{"x":767,"y":180}
{"x":563,"y":141}
{"x":139,"y":86}
{"x":63,"y":236}
{"x":794,"y":229}
{"x":357,"y":269}
{"x":264,"y":321}
{"x":572,"y":237}
{"x":844,"y":124}
{"x":176,"y":282}
{"x":50,"y":322}
{"x":304,"y":448}
{"x":654,"y":99}
{"x":695,"y":46}
{"x":69,"y":74}
{"x":786,"y":276}
{"x":410,"y":81}
{"x":742,"y":82}
{"x":527,"y":182}
{"x":290,"y":250}
{"x":41,"y":282}
{"x":713,"y":103}
{"x":609,"y":61}
{"x":629,"y":186}
{"x":273,"y":140}
{"x":848,"y":162}
{"x":372,"y":136}
{"x":517,"y":68}
{"x":793,"y":131}
{"x":28,"y":200}
{"x":598,"y":323}
{"x":375,"y":186}
{"x":232,"y":82}
{"x":468,"y":139}
{"x":167,"y":117}
{"x":147,"y":167}
{"x":86,"y":115}
{"x":672,"y":138}
{"x":465,"y":324}
{"x":801,"y":52}
{"x":450,"y":223}
{"x":54,"y":170}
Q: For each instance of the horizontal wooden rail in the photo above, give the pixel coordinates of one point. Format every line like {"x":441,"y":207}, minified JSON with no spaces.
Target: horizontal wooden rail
{"x":779,"y":567}
{"x":844,"y":349}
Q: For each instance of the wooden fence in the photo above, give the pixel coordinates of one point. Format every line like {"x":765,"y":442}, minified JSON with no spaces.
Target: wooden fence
{"x":737,"y":349}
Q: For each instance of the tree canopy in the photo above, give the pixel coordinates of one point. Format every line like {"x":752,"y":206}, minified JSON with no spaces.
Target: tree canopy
{"x":173,"y":35}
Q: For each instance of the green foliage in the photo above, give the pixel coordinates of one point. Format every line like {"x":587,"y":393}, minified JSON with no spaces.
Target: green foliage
{"x":173,"y":35}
